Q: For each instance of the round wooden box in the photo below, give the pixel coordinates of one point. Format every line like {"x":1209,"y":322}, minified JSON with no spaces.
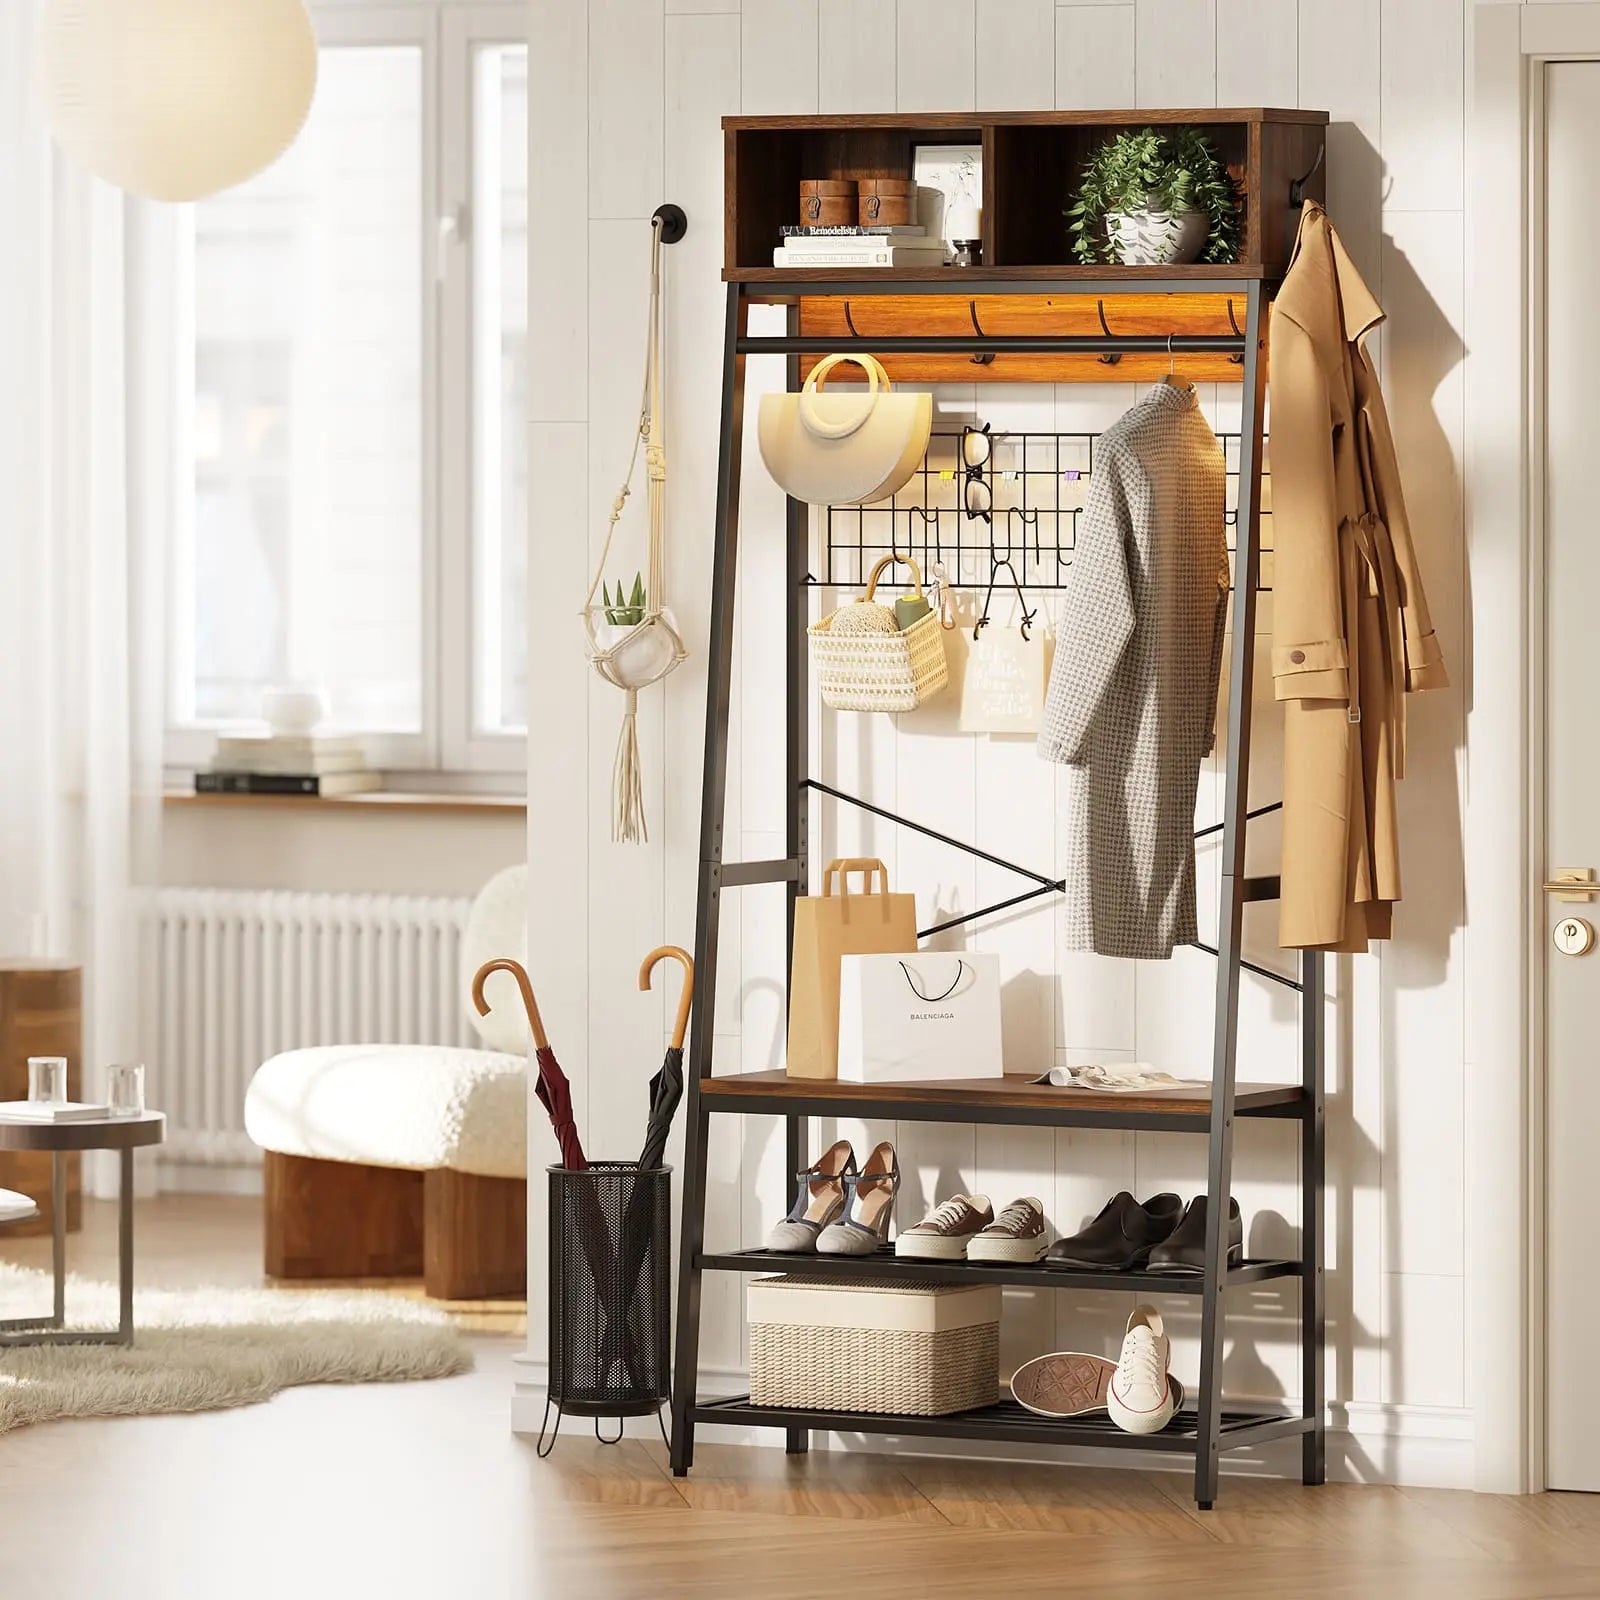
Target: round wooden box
{"x":887,"y":202}
{"x":827,"y":202}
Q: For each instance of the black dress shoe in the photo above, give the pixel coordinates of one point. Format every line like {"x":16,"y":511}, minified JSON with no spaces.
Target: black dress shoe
{"x":1184,"y":1249}
{"x":1121,"y":1237}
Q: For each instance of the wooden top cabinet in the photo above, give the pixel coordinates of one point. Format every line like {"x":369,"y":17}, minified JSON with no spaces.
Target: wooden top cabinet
{"x":1031,"y":165}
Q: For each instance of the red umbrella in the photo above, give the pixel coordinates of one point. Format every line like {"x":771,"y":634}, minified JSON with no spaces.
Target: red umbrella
{"x":553,"y":1090}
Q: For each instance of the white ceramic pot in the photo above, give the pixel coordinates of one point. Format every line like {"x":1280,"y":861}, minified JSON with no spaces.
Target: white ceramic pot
{"x":292,"y":709}
{"x":641,"y":658}
{"x":1157,"y":238}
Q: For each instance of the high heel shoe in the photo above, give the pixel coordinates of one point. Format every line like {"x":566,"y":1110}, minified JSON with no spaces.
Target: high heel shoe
{"x":821,"y":1198}
{"x":863,"y":1229}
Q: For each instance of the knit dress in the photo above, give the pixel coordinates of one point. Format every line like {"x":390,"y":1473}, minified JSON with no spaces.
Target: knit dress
{"x":1131,"y":708}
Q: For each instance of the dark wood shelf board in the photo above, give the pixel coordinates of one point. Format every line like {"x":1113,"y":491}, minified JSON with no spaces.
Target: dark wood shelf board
{"x":1007,"y":1420}
{"x":886,"y":1264}
{"x":1200,"y":272}
{"x":840,"y":122}
{"x":1011,"y":1099}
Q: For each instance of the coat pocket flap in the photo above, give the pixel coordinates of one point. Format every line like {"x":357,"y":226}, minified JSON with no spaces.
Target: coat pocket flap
{"x":1314,"y":671}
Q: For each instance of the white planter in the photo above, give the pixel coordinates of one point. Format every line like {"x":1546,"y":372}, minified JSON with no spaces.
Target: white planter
{"x":1157,"y":238}
{"x":643,"y":653}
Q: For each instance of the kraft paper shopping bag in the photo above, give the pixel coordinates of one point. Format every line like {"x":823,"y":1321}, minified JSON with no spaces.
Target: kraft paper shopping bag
{"x":828,"y":927}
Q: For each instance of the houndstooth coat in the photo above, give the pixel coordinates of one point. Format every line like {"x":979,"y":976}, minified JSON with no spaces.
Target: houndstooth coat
{"x":1132,"y":702}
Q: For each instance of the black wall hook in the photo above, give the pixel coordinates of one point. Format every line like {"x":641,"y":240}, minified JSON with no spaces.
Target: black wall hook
{"x":674,"y":221}
{"x":1237,"y":360}
{"x":849,"y":321}
{"x":1297,"y":187}
{"x":1111,"y":357}
{"x":987,"y":356}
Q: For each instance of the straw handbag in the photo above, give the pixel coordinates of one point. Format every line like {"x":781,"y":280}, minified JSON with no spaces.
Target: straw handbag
{"x":839,"y":449}
{"x":878,"y":671}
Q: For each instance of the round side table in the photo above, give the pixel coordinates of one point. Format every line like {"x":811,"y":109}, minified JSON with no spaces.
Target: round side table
{"x":123,"y":1134}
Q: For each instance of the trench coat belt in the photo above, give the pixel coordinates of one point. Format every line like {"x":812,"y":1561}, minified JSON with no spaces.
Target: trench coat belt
{"x":1370,"y":572}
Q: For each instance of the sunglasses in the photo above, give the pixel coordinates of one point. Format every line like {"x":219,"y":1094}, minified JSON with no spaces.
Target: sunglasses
{"x":976,"y":450}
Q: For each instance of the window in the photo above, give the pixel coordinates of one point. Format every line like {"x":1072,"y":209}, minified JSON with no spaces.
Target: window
{"x":352,"y":376}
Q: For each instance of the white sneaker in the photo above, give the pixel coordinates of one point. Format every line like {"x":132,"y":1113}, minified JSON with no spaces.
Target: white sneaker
{"x":1142,"y":1395}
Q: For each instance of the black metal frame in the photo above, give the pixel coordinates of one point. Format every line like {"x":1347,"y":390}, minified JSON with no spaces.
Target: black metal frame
{"x":1212,"y":1430}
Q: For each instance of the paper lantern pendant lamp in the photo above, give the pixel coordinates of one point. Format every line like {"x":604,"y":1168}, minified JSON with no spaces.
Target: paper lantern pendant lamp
{"x":175,"y":99}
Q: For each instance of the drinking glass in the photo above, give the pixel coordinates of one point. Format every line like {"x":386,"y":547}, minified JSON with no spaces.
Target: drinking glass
{"x":125,"y":1089}
{"x":47,"y":1080}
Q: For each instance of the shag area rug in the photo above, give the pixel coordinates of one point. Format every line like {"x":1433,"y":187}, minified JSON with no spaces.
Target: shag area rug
{"x":207,"y":1349}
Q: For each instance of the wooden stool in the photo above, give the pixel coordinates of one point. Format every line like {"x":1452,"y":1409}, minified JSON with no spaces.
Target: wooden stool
{"x":40,"y":1015}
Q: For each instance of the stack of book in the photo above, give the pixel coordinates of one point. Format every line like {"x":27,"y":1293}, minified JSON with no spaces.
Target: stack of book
{"x":863,"y":246}
{"x":52,"y":1111}
{"x":267,"y":763}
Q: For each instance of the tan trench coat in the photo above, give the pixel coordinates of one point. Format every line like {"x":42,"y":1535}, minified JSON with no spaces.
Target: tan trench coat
{"x":1351,"y":632}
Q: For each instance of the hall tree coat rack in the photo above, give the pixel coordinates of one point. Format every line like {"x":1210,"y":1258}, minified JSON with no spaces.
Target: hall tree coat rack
{"x":1024,"y":316}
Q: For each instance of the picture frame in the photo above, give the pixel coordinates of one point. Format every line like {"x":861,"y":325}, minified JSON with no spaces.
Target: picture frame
{"x":945,"y":174}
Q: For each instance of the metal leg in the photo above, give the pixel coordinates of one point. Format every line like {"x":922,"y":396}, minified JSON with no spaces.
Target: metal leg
{"x":125,"y":1249}
{"x":58,"y":1235}
{"x":797,"y":764}
{"x":1313,"y":1161}
{"x":1231,"y":918}
{"x":719,"y":683}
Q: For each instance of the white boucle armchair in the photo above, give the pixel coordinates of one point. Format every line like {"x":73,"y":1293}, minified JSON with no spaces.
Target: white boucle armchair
{"x":392,"y":1161}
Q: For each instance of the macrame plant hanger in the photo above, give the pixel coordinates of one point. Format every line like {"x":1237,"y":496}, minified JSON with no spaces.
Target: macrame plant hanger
{"x":633,"y":657}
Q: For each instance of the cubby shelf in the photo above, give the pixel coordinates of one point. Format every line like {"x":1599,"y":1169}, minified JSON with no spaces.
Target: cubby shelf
{"x":1031,"y":163}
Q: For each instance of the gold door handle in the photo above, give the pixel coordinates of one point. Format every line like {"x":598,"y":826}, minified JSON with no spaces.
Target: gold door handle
{"x":1573,"y":883}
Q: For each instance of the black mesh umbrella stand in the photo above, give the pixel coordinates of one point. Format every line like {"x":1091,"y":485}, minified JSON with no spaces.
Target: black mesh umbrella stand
{"x":610,"y":1294}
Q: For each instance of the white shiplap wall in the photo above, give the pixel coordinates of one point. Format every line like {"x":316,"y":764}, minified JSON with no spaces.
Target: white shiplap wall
{"x":625,"y":103}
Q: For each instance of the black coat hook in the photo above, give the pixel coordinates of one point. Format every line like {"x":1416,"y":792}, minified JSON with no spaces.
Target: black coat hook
{"x":984,"y":358}
{"x":1111,"y":357}
{"x":849,"y":321}
{"x":1297,"y":187}
{"x":1238,"y":332}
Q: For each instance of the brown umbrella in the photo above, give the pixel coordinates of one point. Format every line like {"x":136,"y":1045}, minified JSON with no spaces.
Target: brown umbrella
{"x":553,"y":1090}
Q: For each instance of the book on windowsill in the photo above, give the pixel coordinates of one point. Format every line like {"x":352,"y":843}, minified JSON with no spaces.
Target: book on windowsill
{"x":51,"y":1111}
{"x":930,"y":253}
{"x":800,"y":235}
{"x":307,"y":783}
{"x":237,"y":751}
{"x":291,"y":765}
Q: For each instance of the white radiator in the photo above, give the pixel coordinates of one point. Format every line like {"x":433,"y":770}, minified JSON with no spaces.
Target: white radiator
{"x":230,"y":977}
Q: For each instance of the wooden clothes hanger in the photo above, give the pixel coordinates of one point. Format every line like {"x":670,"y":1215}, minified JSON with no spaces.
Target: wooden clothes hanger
{"x":1172,"y":379}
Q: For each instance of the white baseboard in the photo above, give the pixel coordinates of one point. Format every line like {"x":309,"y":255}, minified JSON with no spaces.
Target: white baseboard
{"x":1420,"y":1446}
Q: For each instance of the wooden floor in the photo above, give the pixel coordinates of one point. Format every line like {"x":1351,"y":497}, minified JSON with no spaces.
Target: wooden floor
{"x":395,"y":1491}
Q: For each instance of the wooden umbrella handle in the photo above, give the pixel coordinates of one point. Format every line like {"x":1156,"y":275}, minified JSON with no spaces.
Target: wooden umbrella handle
{"x":529,"y":1004}
{"x":680,"y":1023}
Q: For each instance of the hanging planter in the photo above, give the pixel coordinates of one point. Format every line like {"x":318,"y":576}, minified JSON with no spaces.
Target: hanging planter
{"x":634,"y":640}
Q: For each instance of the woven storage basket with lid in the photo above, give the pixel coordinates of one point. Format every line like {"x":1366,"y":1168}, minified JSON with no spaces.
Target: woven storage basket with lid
{"x":874,"y":671}
{"x":877,"y":1344}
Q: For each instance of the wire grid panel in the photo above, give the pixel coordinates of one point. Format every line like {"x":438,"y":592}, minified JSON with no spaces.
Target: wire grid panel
{"x":1037,"y":486}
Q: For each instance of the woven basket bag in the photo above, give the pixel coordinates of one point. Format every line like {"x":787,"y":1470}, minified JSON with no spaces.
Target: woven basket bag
{"x":879,"y":672}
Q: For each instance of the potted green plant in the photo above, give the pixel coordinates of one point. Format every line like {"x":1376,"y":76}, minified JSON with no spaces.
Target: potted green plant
{"x":1149,"y":199}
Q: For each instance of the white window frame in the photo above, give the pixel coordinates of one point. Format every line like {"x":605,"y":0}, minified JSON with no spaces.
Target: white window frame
{"x":449,"y":750}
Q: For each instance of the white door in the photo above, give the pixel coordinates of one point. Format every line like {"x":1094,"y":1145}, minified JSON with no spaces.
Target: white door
{"x":1572,"y":766}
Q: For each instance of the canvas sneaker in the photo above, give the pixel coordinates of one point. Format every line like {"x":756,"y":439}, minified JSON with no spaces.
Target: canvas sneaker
{"x":943,"y":1235}
{"x":1017,"y":1234}
{"x":1065,"y":1384}
{"x":1143,"y":1395}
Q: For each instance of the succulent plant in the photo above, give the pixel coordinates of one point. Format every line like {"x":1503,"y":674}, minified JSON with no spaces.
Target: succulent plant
{"x":620,"y":612}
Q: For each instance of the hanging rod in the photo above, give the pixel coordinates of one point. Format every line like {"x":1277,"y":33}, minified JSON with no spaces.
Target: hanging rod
{"x":1249,"y":816}
{"x":999,"y":344}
